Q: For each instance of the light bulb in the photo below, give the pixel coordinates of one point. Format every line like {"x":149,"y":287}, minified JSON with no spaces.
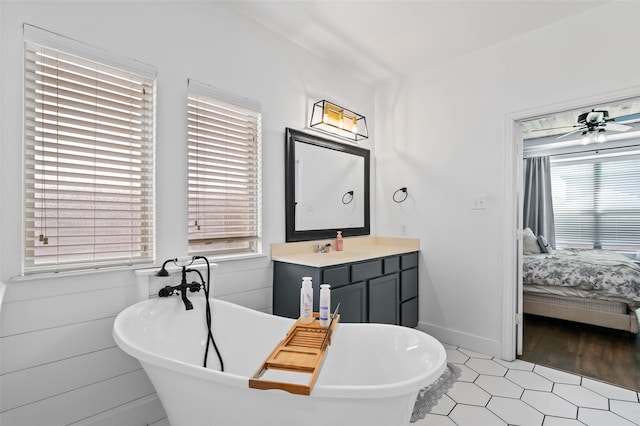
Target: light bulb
{"x":585,"y":138}
{"x":354,"y":126}
{"x":325,"y":118}
{"x":601,"y":137}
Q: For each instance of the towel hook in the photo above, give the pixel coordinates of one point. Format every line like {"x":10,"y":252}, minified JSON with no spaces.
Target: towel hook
{"x":349,"y":196}
{"x":406,"y":194}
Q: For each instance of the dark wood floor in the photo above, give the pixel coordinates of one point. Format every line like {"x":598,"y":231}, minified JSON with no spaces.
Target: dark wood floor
{"x":607,"y":355}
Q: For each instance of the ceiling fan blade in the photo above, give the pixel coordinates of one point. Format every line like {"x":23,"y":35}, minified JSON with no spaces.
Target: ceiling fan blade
{"x":616,"y":127}
{"x":572,"y":132}
{"x":552,"y":128}
{"x":630,"y":118}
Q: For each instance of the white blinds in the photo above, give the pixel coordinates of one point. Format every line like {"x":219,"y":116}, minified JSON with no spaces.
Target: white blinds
{"x":596,"y":203}
{"x":89,"y":163}
{"x":224,"y":138}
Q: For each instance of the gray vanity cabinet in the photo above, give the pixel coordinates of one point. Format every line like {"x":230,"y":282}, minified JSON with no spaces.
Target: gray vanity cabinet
{"x":353,"y":302}
{"x":381,"y":290}
{"x":409,"y":290}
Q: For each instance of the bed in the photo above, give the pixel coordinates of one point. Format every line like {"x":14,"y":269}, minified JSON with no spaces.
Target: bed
{"x":597,"y":287}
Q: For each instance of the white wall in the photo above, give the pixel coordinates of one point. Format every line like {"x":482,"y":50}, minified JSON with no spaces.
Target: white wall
{"x":59,"y":364}
{"x":447,"y":127}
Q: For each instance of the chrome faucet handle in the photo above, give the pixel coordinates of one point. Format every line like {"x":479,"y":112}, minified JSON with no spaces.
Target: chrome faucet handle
{"x":319,"y":248}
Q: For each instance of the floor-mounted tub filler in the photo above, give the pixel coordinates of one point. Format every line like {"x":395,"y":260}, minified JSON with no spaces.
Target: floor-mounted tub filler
{"x":371,"y":374}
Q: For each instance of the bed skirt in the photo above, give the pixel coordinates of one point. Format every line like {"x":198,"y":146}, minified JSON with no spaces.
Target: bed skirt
{"x":603,"y":313}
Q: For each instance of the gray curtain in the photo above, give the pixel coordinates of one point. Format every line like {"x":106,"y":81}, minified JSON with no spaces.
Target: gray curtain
{"x":538,"y":207}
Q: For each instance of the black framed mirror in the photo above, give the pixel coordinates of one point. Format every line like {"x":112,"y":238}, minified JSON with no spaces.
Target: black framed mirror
{"x":326,"y":188}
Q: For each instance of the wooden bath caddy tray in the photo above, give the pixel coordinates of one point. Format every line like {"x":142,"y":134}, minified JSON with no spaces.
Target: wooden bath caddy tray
{"x":301,"y":351}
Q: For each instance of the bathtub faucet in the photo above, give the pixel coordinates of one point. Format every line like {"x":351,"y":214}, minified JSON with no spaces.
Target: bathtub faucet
{"x":184,"y":285}
{"x":182,"y":288}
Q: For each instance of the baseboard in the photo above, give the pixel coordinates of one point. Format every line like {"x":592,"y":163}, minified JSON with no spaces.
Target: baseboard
{"x":463,"y":340}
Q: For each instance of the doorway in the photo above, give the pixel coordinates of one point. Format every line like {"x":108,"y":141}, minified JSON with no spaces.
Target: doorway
{"x":583,"y":349}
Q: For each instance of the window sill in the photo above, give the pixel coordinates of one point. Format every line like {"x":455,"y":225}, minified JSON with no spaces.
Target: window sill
{"x":235,"y":256}
{"x":72,"y":273}
{"x":143,"y":276}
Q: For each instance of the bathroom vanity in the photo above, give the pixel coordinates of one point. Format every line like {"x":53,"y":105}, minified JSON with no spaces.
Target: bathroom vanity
{"x":374,"y":279}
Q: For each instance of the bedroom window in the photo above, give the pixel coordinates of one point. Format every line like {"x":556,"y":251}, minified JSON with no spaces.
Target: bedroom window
{"x":88,"y":157}
{"x":224,"y":151}
{"x":596,"y":202}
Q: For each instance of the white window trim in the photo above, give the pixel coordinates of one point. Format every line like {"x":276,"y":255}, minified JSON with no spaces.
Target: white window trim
{"x":37,"y":36}
{"x":255,"y":107}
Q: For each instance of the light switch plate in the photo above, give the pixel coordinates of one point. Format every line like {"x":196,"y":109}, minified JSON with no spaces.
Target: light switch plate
{"x":479,"y":202}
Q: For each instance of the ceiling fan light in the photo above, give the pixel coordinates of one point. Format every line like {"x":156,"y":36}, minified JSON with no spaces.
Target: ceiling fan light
{"x":585,"y":139}
{"x":602,"y":136}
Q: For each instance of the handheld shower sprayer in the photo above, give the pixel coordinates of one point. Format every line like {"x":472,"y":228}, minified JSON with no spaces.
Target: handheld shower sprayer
{"x":178,"y":261}
{"x":184,"y":262}
{"x":163,"y":272}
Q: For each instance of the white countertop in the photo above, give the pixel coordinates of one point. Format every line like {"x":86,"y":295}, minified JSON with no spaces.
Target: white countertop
{"x":355,"y":249}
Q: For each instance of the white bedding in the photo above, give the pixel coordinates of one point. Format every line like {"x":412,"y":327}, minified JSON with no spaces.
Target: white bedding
{"x":584,"y":273}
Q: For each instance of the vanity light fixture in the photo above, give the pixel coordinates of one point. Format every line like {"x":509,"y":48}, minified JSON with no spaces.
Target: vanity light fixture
{"x":336,"y":120}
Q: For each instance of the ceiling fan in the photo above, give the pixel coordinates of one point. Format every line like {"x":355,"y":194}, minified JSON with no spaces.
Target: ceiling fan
{"x":599,"y":120}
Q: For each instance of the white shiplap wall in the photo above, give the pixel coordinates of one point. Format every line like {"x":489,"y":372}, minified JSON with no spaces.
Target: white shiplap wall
{"x":59,"y":364}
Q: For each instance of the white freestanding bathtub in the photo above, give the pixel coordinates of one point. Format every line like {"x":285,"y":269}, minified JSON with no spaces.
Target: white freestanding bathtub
{"x":371,"y":374}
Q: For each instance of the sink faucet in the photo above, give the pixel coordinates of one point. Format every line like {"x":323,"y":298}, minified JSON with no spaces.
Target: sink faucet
{"x":319,"y":248}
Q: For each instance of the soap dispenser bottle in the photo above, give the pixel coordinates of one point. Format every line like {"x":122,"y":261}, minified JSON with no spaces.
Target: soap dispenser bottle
{"x":325,"y":304}
{"x":306,"y":301}
{"x":339,"y":241}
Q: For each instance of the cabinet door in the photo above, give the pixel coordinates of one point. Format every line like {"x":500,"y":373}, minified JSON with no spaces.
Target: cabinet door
{"x":409,"y":284}
{"x":287,"y":280}
{"x":383,"y":299}
{"x":352,"y":299}
{"x":409,"y":313}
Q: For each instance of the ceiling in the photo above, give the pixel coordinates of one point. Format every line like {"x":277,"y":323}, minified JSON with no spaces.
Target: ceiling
{"x":377,"y":39}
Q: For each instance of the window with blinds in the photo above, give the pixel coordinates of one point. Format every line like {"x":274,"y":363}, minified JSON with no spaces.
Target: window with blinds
{"x":224,"y":166}
{"x":596,"y":202}
{"x":88,"y":163}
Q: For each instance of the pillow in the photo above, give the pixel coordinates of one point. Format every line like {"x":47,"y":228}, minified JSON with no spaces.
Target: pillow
{"x":529,"y":242}
{"x":545,"y":247}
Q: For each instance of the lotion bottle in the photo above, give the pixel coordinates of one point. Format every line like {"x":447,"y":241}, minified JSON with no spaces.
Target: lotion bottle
{"x":339,"y":241}
{"x":325,"y":305}
{"x":306,"y":301}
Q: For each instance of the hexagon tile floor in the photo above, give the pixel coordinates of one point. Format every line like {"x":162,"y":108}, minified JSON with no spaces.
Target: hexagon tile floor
{"x":493,"y":392}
